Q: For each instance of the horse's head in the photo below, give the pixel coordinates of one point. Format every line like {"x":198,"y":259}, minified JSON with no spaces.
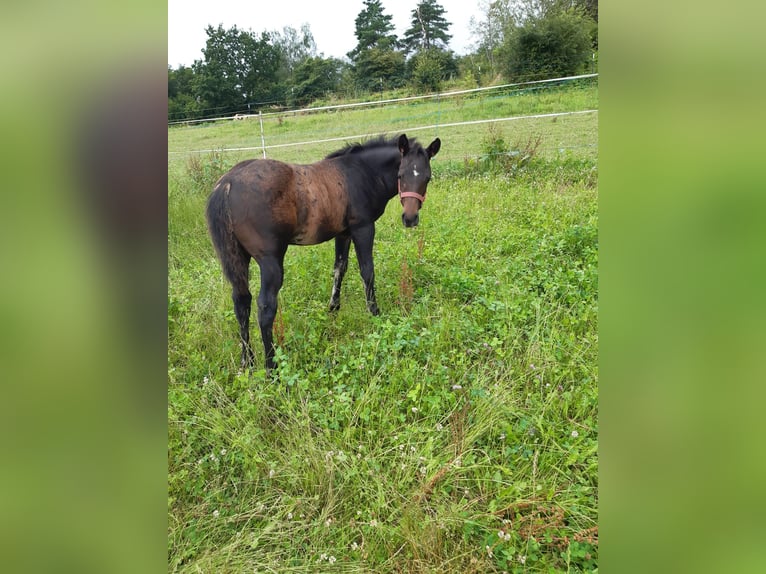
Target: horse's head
{"x":414,"y":175}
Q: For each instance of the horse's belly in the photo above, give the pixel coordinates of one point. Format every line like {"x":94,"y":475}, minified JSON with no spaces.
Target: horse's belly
{"x":315,"y":234}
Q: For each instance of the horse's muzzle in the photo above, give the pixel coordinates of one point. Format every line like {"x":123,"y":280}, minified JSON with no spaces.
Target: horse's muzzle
{"x":410,"y":222}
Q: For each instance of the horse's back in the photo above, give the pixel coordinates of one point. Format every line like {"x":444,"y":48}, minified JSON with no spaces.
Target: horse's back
{"x":259,"y":177}
{"x":276,"y":201}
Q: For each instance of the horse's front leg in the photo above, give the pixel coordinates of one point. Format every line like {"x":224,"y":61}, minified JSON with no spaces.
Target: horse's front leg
{"x":342,"y":245}
{"x":272,"y":273}
{"x":363,"y":238}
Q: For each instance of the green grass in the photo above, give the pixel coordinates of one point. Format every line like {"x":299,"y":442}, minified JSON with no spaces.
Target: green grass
{"x":406,"y":442}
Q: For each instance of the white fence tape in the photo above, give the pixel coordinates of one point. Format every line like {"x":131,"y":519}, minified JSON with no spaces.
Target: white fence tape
{"x":363,"y":136}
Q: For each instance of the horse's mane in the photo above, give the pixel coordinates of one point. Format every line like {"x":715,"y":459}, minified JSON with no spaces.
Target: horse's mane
{"x":375,"y":143}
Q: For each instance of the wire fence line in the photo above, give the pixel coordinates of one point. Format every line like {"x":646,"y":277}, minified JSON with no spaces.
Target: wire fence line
{"x":301,"y":135}
{"x":265,"y":147}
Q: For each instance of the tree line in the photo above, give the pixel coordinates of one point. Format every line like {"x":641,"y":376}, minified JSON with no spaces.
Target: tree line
{"x":518,"y":40}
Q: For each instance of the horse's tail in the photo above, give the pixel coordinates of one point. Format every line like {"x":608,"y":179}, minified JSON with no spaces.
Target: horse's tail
{"x":234,"y":259}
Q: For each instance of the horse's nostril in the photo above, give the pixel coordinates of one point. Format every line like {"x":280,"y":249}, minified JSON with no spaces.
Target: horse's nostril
{"x":410,"y":222}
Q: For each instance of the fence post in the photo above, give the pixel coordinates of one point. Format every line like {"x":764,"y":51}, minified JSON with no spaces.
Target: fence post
{"x":438,"y":111}
{"x":263,"y":139}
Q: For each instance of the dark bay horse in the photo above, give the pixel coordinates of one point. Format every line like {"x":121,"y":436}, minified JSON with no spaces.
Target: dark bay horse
{"x":260,"y":207}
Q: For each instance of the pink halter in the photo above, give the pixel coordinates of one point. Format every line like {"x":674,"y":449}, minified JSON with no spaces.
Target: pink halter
{"x":404,"y":194}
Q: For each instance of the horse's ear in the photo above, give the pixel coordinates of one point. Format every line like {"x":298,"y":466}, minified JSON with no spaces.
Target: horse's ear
{"x":404,"y":144}
{"x":433,"y":149}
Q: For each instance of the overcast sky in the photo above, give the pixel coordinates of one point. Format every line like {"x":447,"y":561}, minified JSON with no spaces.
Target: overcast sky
{"x":331,"y":22}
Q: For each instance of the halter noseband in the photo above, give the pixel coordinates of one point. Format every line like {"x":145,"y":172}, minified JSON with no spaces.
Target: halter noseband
{"x":403,"y":194}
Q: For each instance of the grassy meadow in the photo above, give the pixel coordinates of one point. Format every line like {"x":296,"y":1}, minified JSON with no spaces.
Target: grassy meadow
{"x":457,"y":431}
{"x":575,"y":134}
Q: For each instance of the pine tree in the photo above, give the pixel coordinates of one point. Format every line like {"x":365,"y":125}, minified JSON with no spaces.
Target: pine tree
{"x":377,"y":64}
{"x":428,"y":28}
{"x":373,"y":29}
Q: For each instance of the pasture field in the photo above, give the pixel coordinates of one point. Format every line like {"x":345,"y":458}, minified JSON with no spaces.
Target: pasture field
{"x":456,"y":432}
{"x":576,"y":134}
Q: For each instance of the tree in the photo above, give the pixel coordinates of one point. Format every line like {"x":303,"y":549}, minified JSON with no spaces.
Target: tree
{"x":490,"y":31}
{"x":591,"y":8}
{"x":296,"y":46}
{"x":428,"y":28}
{"x":180,"y":81}
{"x":182,"y":101}
{"x":373,"y":29}
{"x":315,"y":77}
{"x":527,"y":10}
{"x":376,"y":61}
{"x":238,"y":70}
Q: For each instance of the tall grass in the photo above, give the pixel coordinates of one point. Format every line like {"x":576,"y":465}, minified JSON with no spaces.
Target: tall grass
{"x":457,"y":432}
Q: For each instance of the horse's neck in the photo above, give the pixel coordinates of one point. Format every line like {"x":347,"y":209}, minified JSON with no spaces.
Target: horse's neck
{"x":385,"y":163}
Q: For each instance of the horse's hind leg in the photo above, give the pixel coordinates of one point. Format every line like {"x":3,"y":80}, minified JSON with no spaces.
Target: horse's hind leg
{"x":240,"y":295}
{"x":272,"y":274}
{"x":242,"y":304}
{"x":342,"y":245}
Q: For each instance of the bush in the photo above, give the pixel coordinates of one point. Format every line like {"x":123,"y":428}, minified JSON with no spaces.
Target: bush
{"x":429,"y":68}
{"x":377,"y":68}
{"x":553,"y":45}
